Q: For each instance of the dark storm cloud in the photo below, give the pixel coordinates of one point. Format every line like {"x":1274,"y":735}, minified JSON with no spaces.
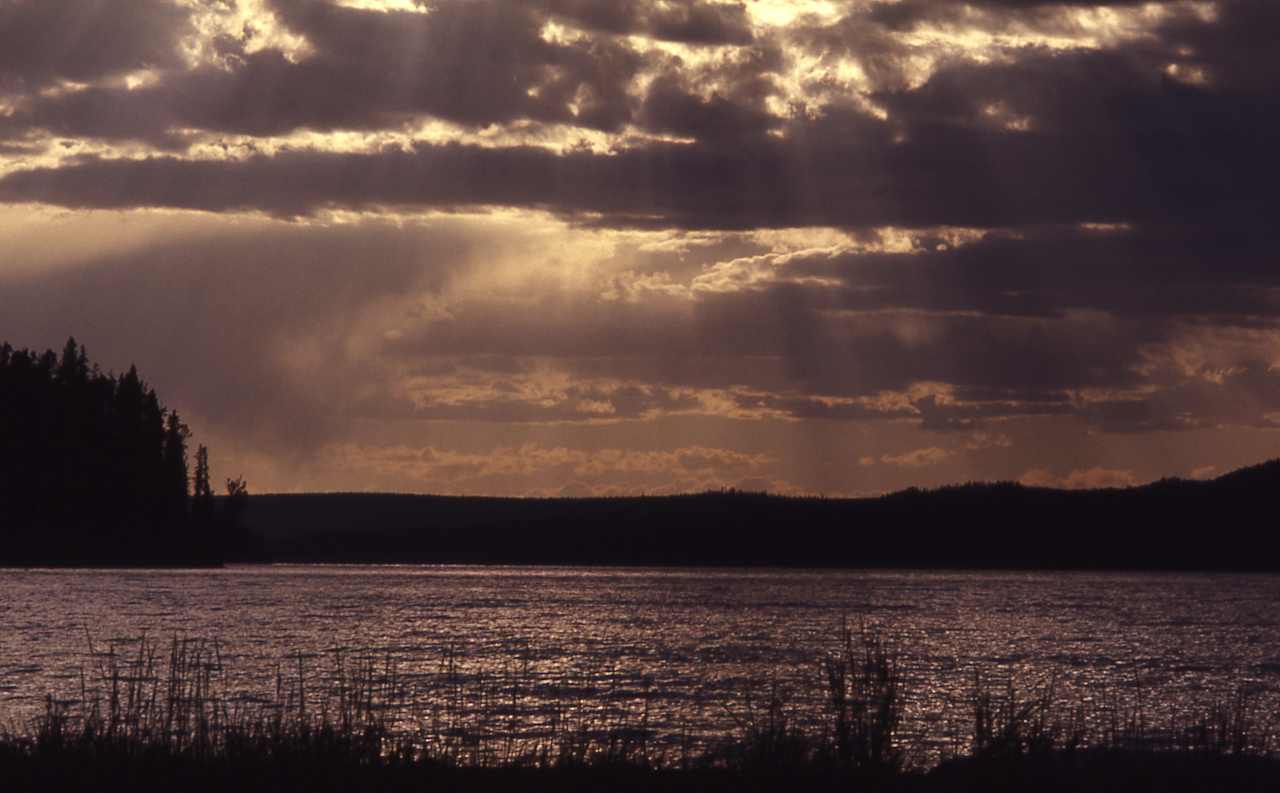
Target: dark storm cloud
{"x":1107,"y":136}
{"x":967,"y":178}
{"x":671,"y":107}
{"x":1224,"y":273}
{"x":474,"y":63}
{"x":1237,"y":50}
{"x":45,"y":41}
{"x":676,"y":101}
{"x":685,"y":21}
{"x":907,"y":14}
{"x":1111,"y":139}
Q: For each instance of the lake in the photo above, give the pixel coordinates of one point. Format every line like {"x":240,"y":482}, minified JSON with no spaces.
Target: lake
{"x":690,"y":652}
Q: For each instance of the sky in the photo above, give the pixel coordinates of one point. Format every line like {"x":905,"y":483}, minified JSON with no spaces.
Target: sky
{"x":568,"y":247}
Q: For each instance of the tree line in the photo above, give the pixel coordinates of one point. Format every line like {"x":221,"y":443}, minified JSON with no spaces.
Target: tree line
{"x":1171,"y":524}
{"x":94,"y":469}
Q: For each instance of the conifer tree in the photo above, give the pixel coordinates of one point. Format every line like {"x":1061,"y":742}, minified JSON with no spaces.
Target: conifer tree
{"x":177,"y":481}
{"x":202,"y":493}
{"x":93,"y":468}
{"x":233,"y":512}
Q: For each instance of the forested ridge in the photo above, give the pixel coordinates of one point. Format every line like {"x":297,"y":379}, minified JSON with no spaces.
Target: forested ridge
{"x":94,"y":469}
{"x":1172,"y":524}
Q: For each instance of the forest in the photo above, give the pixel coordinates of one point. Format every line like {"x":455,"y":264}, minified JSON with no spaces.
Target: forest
{"x":94,"y":469}
{"x":1171,"y":524}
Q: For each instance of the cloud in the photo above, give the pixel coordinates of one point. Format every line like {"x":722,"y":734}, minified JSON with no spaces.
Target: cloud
{"x":473,"y":63}
{"x":290,"y":333}
{"x":686,"y":21}
{"x":945,"y":228}
{"x":258,"y":330}
{"x":510,"y":401}
{"x":46,"y":41}
{"x":535,"y":469}
{"x":1203,"y":472}
{"x":904,"y":15}
{"x":1080,"y":479}
{"x":942,"y":155}
{"x":1245,"y":393}
{"x":941,"y":176}
{"x":918,"y":458}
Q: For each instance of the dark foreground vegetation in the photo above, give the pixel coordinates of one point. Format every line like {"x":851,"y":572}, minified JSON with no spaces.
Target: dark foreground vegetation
{"x":151,"y":722}
{"x":1170,"y":524}
{"x":94,"y":470}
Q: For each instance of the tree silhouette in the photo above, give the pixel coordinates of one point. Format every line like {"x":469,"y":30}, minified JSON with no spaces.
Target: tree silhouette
{"x":239,"y":540}
{"x":175,"y":467}
{"x":202,"y":494}
{"x":237,"y":501}
{"x":93,"y":468}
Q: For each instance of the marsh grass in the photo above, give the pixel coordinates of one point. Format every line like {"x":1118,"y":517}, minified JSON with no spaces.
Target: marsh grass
{"x":146,"y":701}
{"x":146,"y":704}
{"x":1010,"y":722}
{"x":863,"y":682}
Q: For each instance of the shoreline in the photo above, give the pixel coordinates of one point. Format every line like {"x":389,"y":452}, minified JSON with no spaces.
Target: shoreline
{"x":73,"y":769}
{"x":389,"y":563}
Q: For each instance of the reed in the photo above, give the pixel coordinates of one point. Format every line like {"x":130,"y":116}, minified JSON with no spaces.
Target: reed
{"x":154,"y":705}
{"x":1011,"y":722}
{"x":863,"y":681}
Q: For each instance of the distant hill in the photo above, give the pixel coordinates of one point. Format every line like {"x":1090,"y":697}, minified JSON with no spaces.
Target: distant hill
{"x":1169,"y":524}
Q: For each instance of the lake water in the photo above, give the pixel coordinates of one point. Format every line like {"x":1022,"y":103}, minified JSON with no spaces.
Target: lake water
{"x":688,"y":647}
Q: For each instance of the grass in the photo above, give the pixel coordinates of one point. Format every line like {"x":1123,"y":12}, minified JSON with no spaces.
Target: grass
{"x":166,"y":718}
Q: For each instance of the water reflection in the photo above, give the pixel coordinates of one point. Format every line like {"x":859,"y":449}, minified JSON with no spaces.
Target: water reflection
{"x":684,"y":652}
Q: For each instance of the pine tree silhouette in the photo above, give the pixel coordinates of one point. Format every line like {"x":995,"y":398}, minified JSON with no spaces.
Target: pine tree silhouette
{"x":93,"y":468}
